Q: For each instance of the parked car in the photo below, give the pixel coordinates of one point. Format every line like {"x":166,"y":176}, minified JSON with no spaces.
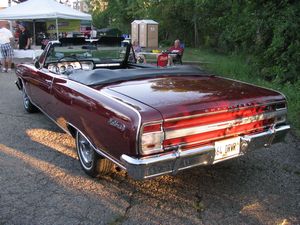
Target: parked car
{"x":110,"y":32}
{"x":145,"y":119}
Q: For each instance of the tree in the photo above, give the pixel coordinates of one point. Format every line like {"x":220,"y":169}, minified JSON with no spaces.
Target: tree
{"x":267,"y":30}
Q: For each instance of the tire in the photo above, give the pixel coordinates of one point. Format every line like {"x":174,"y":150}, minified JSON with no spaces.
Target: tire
{"x":28,"y":106}
{"x":91,"y":162}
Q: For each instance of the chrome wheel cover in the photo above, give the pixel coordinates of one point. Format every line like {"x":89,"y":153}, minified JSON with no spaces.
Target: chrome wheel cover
{"x":85,"y":151}
{"x":26,"y":100}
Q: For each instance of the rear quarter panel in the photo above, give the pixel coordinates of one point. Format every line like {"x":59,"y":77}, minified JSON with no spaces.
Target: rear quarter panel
{"x":111,"y":121}
{"x":110,"y":124}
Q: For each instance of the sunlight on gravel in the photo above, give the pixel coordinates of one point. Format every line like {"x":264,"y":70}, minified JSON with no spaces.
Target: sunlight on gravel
{"x":63,"y":178}
{"x":60,"y":142}
{"x":258,"y":211}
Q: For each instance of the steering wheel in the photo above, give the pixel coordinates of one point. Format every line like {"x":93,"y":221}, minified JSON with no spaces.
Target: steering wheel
{"x":73,"y":57}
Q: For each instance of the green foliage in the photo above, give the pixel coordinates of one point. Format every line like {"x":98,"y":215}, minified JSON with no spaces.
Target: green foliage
{"x":267,"y":30}
{"x":237,"y":67}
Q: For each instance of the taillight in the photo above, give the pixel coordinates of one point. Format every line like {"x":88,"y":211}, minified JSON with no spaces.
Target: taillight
{"x":281,"y":107}
{"x":151,"y":139}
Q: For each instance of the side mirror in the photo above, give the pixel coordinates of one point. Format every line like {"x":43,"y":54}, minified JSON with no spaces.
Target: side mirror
{"x":37,"y":64}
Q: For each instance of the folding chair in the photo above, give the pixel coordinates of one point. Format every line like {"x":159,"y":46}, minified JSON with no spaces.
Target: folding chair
{"x":177,"y":59}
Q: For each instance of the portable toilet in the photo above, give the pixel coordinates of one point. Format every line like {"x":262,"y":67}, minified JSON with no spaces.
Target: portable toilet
{"x":148,"y":34}
{"x":135,"y":30}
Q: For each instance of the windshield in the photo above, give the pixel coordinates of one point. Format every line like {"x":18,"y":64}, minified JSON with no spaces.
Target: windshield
{"x":94,"y":52}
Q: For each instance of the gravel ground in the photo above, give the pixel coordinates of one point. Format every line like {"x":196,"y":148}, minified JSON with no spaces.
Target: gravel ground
{"x":41,"y":182}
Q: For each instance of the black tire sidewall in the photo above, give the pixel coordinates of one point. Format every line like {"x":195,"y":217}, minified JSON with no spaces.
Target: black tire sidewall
{"x":30,"y":108}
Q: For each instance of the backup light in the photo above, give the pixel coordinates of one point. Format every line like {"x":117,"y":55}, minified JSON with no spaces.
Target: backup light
{"x":151,"y":139}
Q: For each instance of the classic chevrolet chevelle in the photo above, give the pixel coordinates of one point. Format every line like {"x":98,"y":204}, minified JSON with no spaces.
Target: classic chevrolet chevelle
{"x":147,"y":120}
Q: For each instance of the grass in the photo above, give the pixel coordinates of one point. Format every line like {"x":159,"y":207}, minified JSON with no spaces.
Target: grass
{"x":236,"y":67}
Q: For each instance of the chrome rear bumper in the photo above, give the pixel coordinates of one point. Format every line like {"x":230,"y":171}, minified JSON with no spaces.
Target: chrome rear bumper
{"x":172,"y":162}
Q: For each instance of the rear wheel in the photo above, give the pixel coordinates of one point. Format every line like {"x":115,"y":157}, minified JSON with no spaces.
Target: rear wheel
{"x":92,"y":163}
{"x":28,"y":106}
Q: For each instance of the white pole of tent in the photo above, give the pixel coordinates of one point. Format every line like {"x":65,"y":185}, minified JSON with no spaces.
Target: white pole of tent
{"x":10,"y":25}
{"x":34,"y":36}
{"x":56,"y":29}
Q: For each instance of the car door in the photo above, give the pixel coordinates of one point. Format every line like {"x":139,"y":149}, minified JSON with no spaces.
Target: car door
{"x":62,"y":97}
{"x":40,"y":88}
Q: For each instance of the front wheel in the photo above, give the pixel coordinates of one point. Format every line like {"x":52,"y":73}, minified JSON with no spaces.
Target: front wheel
{"x":28,"y":106}
{"x":92,"y":163}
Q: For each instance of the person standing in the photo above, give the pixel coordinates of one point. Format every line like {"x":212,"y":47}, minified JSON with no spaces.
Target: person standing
{"x":6,"y":49}
{"x":24,"y":38}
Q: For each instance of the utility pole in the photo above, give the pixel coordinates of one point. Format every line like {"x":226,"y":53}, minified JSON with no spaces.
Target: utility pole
{"x":9,"y":22}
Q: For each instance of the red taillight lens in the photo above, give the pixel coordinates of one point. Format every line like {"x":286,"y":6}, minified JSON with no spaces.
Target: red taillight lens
{"x":213,"y":118}
{"x":151,"y":139}
{"x":152,"y":128}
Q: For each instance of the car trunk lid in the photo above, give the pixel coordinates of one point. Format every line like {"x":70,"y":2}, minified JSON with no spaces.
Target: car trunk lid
{"x":182,"y":96}
{"x":199,"y":110}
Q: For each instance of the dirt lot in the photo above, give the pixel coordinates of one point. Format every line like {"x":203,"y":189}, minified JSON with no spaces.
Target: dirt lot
{"x":41,"y":182}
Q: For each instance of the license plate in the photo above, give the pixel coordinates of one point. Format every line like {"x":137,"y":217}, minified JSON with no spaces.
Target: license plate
{"x":227,"y":148}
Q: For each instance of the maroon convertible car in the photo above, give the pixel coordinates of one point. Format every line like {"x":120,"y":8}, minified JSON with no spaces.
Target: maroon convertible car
{"x":147,"y":120}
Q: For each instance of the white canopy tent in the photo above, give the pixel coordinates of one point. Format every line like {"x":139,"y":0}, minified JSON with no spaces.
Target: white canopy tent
{"x":42,"y":9}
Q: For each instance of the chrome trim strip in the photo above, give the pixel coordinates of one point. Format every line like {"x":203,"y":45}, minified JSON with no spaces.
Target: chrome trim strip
{"x":171,"y":162}
{"x":166,"y":156}
{"x":68,"y":132}
{"x":221,"y":111}
{"x":222,"y":125}
{"x":282,"y":128}
{"x":230,"y":157}
{"x":117,"y":100}
{"x":268,"y":137}
{"x":151,"y":123}
{"x":107,"y":64}
{"x":141,"y":134}
{"x":30,"y":67}
{"x":215,"y":138}
{"x":132,"y":108}
{"x":174,"y":157}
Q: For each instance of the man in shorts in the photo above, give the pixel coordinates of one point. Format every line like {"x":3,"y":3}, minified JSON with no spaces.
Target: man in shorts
{"x":6,"y":49}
